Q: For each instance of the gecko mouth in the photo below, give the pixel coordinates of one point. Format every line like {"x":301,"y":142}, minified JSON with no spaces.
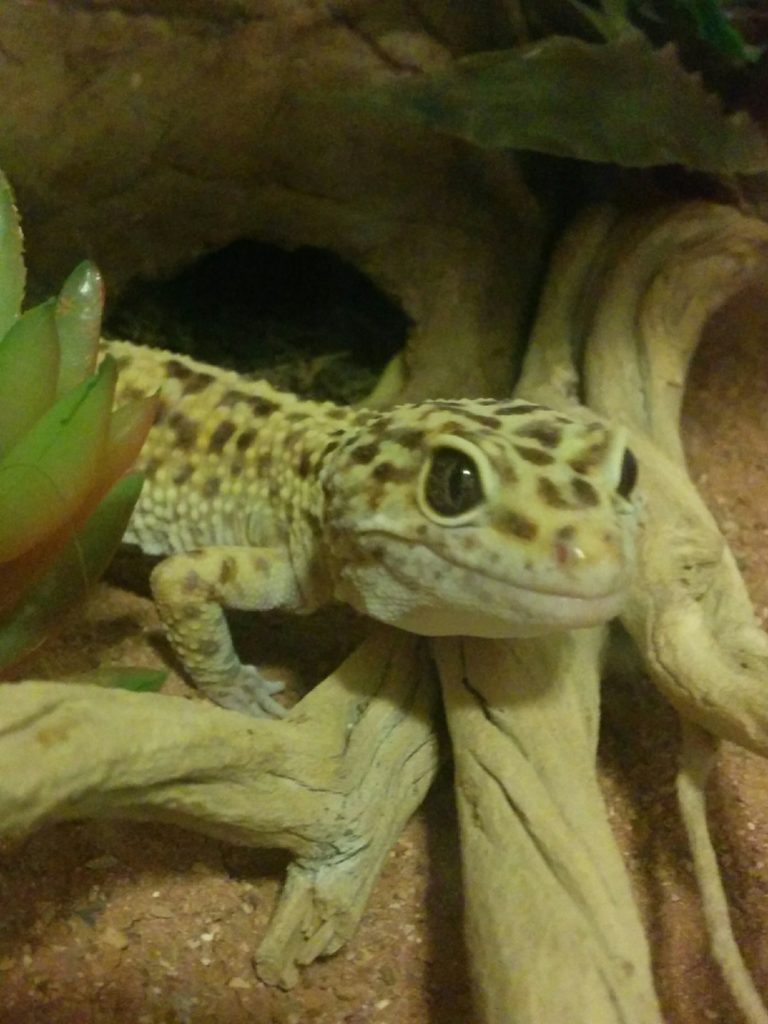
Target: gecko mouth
{"x":519,"y":590}
{"x":510,"y":613}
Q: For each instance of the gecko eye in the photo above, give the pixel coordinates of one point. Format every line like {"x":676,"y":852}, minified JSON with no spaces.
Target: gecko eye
{"x":453,"y":483}
{"x":628,"y":477}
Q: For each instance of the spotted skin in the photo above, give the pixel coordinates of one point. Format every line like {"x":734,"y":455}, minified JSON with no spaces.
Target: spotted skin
{"x":261,"y":500}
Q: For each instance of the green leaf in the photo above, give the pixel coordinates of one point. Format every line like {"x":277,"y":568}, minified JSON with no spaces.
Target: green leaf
{"x":128,"y":429}
{"x":72,"y":574}
{"x":619,"y":102}
{"x":29,"y":371}
{"x":714,"y":28}
{"x":78,"y":322}
{"x":139,"y":680}
{"x":47,"y":475}
{"x":12,"y":272}
{"x":610,"y":18}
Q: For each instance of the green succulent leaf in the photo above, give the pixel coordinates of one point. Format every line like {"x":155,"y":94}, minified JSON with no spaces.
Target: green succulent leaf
{"x":78,"y":322}
{"x":128,"y":429}
{"x":53,"y":468}
{"x":29,"y":371}
{"x":12,"y":273}
{"x":71,"y":575}
{"x":138,"y":680}
{"x":620,"y":102}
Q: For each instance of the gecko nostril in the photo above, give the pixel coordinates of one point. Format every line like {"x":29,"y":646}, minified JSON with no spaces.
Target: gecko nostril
{"x":566,"y":551}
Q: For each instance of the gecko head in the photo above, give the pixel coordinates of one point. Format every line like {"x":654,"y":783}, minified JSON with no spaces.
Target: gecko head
{"x":482,"y":518}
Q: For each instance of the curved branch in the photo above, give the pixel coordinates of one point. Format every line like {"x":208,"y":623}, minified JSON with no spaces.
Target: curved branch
{"x":546,"y":888}
{"x":333,"y":783}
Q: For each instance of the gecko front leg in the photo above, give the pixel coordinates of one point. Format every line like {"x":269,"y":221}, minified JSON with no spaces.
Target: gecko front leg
{"x":191,"y":591}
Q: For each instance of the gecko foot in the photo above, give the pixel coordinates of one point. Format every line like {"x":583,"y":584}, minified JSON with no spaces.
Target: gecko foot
{"x":250,"y":693}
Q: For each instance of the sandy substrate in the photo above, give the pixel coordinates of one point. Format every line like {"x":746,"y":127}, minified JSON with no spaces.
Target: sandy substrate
{"x":137,"y":924}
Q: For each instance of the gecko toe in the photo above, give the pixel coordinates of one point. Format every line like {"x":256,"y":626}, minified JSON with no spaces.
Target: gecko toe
{"x":251,"y":694}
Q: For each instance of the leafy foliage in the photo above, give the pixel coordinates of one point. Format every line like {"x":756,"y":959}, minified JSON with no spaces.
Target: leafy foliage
{"x":706,"y":19}
{"x":621,"y":101}
{"x":138,"y":680}
{"x":64,"y":497}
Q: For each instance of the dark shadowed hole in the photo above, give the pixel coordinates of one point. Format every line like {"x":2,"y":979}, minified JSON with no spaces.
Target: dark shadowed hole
{"x":306,"y":320}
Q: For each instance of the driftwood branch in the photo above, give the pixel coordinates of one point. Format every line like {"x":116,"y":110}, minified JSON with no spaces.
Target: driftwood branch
{"x":546,"y":889}
{"x":689,"y":611}
{"x":333,"y":783}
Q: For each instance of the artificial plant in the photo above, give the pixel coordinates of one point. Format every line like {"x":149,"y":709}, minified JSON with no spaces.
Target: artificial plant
{"x":65,"y":497}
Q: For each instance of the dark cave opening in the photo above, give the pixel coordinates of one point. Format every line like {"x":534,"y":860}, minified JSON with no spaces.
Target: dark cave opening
{"x":305,"y":319}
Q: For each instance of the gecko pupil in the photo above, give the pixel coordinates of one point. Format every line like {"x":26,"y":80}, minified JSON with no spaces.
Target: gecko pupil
{"x":628,"y":477}
{"x":453,"y":483}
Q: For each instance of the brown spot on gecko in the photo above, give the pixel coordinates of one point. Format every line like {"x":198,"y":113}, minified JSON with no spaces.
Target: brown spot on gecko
{"x":446,"y":403}
{"x":228,"y":570}
{"x":236,"y":466}
{"x":585,"y":493}
{"x":296,"y":417}
{"x":388,"y":472}
{"x":230,"y":398}
{"x":264,"y":463}
{"x":131,"y":393}
{"x":196,"y":383}
{"x":192,"y":582}
{"x":517,"y":409}
{"x":211,"y":487}
{"x":550,"y":494}
{"x":245,"y":440}
{"x":220,"y":436}
{"x":534,"y":455}
{"x":547,"y":434}
{"x":518,"y":525}
{"x":454,"y":427}
{"x":408,"y":439}
{"x":330,"y":447}
{"x":368,"y":418}
{"x":364,"y":454}
{"x":184,"y":428}
{"x":177,"y":369}
{"x":151,"y":467}
{"x":507,"y":473}
{"x":592,"y":457}
{"x":491,"y":422}
{"x":304,"y":467}
{"x":182,"y":475}
{"x":261,"y":406}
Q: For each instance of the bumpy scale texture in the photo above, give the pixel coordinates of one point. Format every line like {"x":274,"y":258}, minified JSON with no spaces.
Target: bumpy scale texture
{"x":468,"y":517}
